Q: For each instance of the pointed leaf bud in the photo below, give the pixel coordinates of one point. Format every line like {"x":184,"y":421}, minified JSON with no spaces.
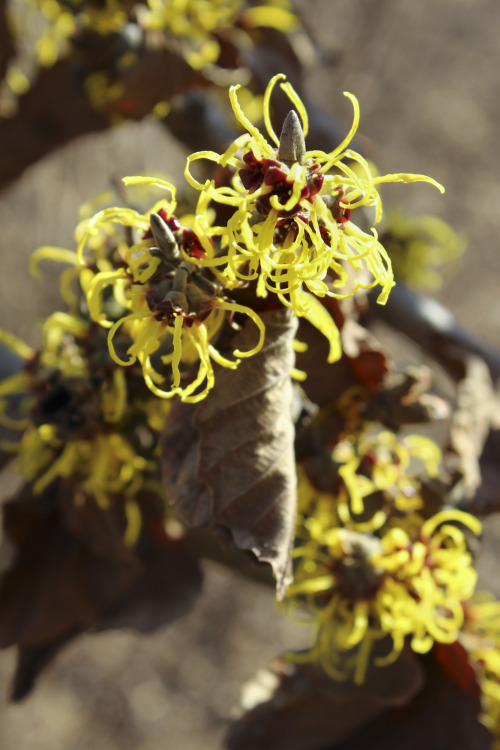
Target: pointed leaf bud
{"x":166,"y":243}
{"x":292,"y":147}
{"x":178,"y":300}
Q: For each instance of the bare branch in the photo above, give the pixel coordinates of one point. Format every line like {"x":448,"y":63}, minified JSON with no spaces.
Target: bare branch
{"x":57,"y":109}
{"x":432,"y":326}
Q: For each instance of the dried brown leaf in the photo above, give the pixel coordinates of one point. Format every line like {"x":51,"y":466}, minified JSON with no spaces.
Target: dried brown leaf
{"x":406,"y":401}
{"x":429,"y":702}
{"x":229,"y":462}
{"x":486,"y":499}
{"x":476,"y":408}
{"x":368,"y":360}
{"x":444,"y":715}
{"x":299,"y":707}
{"x":72,"y":571}
{"x":58,"y":582}
{"x":167,"y":589}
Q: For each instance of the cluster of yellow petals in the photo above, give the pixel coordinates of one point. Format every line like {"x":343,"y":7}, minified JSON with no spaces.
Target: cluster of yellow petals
{"x":324,"y":255}
{"x":402,"y":578}
{"x":106,"y":466}
{"x":178,"y":341}
{"x":194,"y":23}
{"x":421,"y":248}
{"x":104,"y":463}
{"x":395,"y":465}
{"x":60,"y":20}
{"x":481,"y":638}
{"x":321,"y":252}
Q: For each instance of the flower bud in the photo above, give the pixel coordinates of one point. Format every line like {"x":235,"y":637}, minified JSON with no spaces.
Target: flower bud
{"x":166,"y":243}
{"x":292,"y":146}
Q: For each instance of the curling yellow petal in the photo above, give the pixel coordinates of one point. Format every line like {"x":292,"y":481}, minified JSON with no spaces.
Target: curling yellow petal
{"x":309,"y":307}
{"x":48,"y":252}
{"x":450,"y":516}
{"x":403,"y":177}
{"x":16,"y":345}
{"x":242,"y":118}
{"x":297,"y":103}
{"x":232,"y":306}
{"x":333,"y":155}
{"x":266,"y":106}
{"x":153,"y":181}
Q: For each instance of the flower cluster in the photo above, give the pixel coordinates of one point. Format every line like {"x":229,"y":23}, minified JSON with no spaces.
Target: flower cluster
{"x":61,"y":20}
{"x":380,"y":476}
{"x":481,"y":638}
{"x":166,"y":285}
{"x":421,"y":247}
{"x":152,"y":289}
{"x":198,"y":24}
{"x":292,"y":223}
{"x":80,"y":418}
{"x":195,"y":25}
{"x":392,"y":577}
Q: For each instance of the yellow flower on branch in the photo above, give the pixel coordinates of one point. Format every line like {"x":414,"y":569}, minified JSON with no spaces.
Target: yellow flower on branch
{"x":379,"y":479}
{"x":292,"y":225}
{"x":481,"y":638}
{"x":59,"y":21}
{"x":421,"y":248}
{"x":385,"y":467}
{"x":196,"y":24}
{"x":76,"y":415}
{"x":357,"y":589}
{"x":155,"y":293}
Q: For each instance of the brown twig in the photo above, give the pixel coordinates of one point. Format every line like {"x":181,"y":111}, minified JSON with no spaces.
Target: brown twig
{"x":57,"y":110}
{"x":432,"y":326}
{"x":52,"y":113}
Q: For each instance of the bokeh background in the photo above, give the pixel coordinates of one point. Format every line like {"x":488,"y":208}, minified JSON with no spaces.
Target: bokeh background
{"x":425,"y":74}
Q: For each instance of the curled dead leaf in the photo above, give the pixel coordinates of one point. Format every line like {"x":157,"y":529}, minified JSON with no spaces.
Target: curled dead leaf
{"x":444,"y":715}
{"x":72,"y":571}
{"x":429,"y":701}
{"x":299,"y":707}
{"x":476,"y":410}
{"x":229,"y":462}
{"x":406,"y":401}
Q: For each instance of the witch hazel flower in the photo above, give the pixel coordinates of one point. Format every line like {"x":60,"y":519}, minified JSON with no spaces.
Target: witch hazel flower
{"x":398,"y":586}
{"x":157,"y":302}
{"x":293,"y":225}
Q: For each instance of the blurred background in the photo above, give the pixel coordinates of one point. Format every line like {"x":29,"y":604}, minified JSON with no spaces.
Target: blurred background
{"x":426,"y":78}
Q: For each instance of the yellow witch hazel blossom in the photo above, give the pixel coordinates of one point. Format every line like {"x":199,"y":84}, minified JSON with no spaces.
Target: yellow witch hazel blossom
{"x":422,"y":248}
{"x":154,"y":293}
{"x":481,"y":638}
{"x":291,"y":227}
{"x":391,"y":586}
{"x":76,"y":418}
{"x":106,"y":464}
{"x":196,"y":22}
{"x":60,"y":20}
{"x":385,"y":468}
